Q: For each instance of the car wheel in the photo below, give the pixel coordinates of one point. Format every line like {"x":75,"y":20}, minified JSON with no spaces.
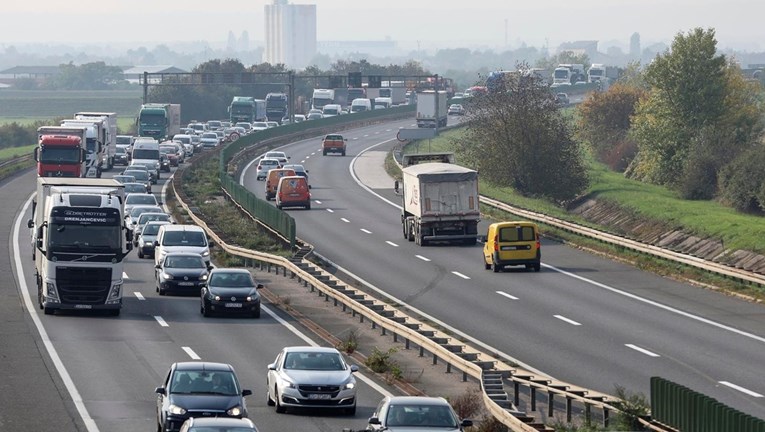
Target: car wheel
{"x":140,"y":254}
{"x":269,"y":401}
{"x":279,"y":408}
{"x":161,"y":290}
{"x":486,"y":265}
{"x":206,"y":311}
{"x":256,"y":313}
{"x":494,"y":267}
{"x":324,"y":153}
{"x":351,"y":411}
{"x":308,"y":206}
{"x":114,"y":312}
{"x":343,"y":153}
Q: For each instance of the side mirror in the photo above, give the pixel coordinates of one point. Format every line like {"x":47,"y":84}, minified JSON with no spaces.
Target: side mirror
{"x":30,"y":223}
{"x":36,"y":153}
{"x":272,"y":366}
{"x":259,"y":286}
{"x":157,"y":266}
{"x":156,"y":243}
{"x":374,"y":421}
{"x":466,"y":423}
{"x":160,"y":390}
{"x":354,"y":368}
{"x":246,"y":392}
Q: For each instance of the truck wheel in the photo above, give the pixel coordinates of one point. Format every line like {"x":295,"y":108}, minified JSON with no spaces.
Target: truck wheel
{"x":410,"y":228}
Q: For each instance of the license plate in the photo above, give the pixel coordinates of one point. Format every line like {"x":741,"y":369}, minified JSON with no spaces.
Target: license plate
{"x":294,"y":194}
{"x":233,"y":305}
{"x":80,"y":306}
{"x":319,"y":396}
{"x":186,"y":283}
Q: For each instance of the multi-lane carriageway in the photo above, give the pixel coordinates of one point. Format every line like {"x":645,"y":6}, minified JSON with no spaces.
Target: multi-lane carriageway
{"x":583,"y":319}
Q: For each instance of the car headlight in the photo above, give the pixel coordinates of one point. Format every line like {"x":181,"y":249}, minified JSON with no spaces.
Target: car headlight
{"x":176,"y":410}
{"x":206,"y":253}
{"x":148,"y":243}
{"x":287,"y":383}
{"x":203,"y":277}
{"x":215,"y":297}
{"x":349,"y":385}
{"x":166,"y":276}
{"x":235,"y":411}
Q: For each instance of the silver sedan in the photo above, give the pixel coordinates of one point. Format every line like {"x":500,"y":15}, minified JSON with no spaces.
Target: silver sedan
{"x":311,"y":377}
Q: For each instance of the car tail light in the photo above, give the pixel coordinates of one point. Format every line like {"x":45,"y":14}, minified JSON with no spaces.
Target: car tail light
{"x":539,"y":244}
{"x":496,"y":243}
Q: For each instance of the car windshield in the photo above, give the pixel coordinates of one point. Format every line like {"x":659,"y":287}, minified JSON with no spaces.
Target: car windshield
{"x":185,"y":238}
{"x":184,"y":262}
{"x":124,"y":178}
{"x":326,"y":361}
{"x":231,"y":280}
{"x":139,"y":175}
{"x":269,"y":162}
{"x":138,"y":211}
{"x":211,"y":135}
{"x":276,"y":155}
{"x":148,"y":217}
{"x":140,"y":199}
{"x":260,"y":125}
{"x":123,"y":140}
{"x":135,"y":188}
{"x":167,"y":150}
{"x":421,"y":416}
{"x":151,"y":229}
{"x":204,"y":382}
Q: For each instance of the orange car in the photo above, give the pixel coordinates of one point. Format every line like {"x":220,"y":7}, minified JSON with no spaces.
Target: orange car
{"x":293,"y":192}
{"x":333,"y":143}
{"x":272,"y":180}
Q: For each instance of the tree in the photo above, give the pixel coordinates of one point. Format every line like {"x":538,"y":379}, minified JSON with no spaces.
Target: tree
{"x":604,"y":120}
{"x":700,"y":115}
{"x":89,"y":76}
{"x":517,"y":137}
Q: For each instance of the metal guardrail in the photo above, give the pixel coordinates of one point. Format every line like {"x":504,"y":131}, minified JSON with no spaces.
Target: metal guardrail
{"x":14,"y":160}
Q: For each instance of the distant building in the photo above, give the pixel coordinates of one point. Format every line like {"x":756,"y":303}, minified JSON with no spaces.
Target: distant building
{"x":635,"y":46}
{"x":34,"y":72}
{"x":580,"y":47}
{"x":133,"y":73}
{"x":290,"y":34}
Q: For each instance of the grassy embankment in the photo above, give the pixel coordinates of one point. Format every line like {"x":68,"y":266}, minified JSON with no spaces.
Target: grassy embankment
{"x":706,"y":219}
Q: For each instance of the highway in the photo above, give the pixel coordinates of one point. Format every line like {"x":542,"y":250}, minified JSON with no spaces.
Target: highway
{"x":109,"y":367}
{"x":584,"y":319}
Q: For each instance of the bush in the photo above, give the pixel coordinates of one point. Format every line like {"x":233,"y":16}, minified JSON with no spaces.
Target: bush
{"x":742,"y":182}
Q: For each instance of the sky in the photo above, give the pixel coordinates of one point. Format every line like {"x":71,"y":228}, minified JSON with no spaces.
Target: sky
{"x":431,"y":23}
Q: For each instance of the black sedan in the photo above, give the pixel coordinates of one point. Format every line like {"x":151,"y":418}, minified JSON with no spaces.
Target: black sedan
{"x":231,"y":291}
{"x":181,"y":272}
{"x":199,"y":389}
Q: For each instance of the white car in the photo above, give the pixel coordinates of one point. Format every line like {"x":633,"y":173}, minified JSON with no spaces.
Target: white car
{"x":209,"y":139}
{"x":311,"y":377}
{"x":265,"y":165}
{"x":408,"y":413}
{"x":272,"y":124}
{"x":278,"y":155}
{"x":259,"y":126}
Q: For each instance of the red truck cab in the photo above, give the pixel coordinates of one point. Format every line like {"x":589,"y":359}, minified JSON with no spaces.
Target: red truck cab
{"x":60,"y":156}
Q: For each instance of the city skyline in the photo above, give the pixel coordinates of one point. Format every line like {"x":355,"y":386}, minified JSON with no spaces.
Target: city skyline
{"x":431,"y":24}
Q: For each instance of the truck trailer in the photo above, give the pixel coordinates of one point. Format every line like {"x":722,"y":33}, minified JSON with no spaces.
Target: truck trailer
{"x":96,"y":137}
{"x":110,"y":144}
{"x":79,"y":241}
{"x":277,"y":106}
{"x":440,"y":203}
{"x":61,"y":151}
{"x":247,"y":109}
{"x":431,"y":109}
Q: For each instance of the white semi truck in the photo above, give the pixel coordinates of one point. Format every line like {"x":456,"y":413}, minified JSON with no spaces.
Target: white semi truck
{"x":79,"y":241}
{"x":440,"y":203}
{"x":431,"y":109}
{"x":110,"y":145}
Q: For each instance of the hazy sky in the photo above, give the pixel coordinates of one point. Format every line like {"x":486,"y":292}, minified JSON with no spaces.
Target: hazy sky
{"x":444,"y":23}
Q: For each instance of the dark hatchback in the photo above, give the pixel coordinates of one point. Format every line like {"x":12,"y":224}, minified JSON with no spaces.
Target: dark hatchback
{"x":181,"y":273}
{"x":199,"y":389}
{"x":231,"y":291}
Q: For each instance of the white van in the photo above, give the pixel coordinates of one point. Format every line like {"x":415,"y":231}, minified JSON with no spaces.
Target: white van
{"x":383,"y":102}
{"x":361,"y":105}
{"x":181,"y":238}
{"x":146,"y":152}
{"x":331,"y":110}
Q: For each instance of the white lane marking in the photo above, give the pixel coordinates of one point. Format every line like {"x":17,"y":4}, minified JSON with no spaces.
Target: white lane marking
{"x":741,"y":389}
{"x":422,"y":258}
{"x":659,"y":305}
{"x":191,"y":353}
{"x":310,"y":342}
{"x":377,"y":133}
{"x":345,"y":220}
{"x":330,"y":210}
{"x":125,"y":276}
{"x":564,"y":319}
{"x":307,"y":157}
{"x":366,"y":231}
{"x":504,"y":294}
{"x":460,"y":275}
{"x":302,"y":161}
{"x":161,"y":321}
{"x":139,"y":295}
{"x":356,"y":138}
{"x":358,"y":181}
{"x":317,"y":201}
{"x":313,"y":153}
{"x":642,"y":350}
{"x":90,"y":424}
{"x":366,"y":135}
{"x":388,"y":130}
{"x":391,"y":243}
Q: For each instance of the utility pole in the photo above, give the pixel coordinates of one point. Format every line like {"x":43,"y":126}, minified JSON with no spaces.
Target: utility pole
{"x":438,"y":120}
{"x":291,"y":107}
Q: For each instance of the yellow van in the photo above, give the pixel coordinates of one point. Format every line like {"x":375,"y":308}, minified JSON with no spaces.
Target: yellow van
{"x":512,"y":243}
{"x":272,"y":180}
{"x":293,"y":192}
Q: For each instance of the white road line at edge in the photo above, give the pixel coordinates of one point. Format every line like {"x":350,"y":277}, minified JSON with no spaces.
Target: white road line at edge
{"x":366,"y":231}
{"x":564,"y":319}
{"x":423,"y":258}
{"x":391,"y":243}
{"x":642,"y":350}
{"x":330,"y":210}
{"x":125,"y":276}
{"x":345,"y":220}
{"x":161,"y":321}
{"x":741,"y":389}
{"x":191,"y":353}
{"x":139,"y":296}
{"x":90,"y":424}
